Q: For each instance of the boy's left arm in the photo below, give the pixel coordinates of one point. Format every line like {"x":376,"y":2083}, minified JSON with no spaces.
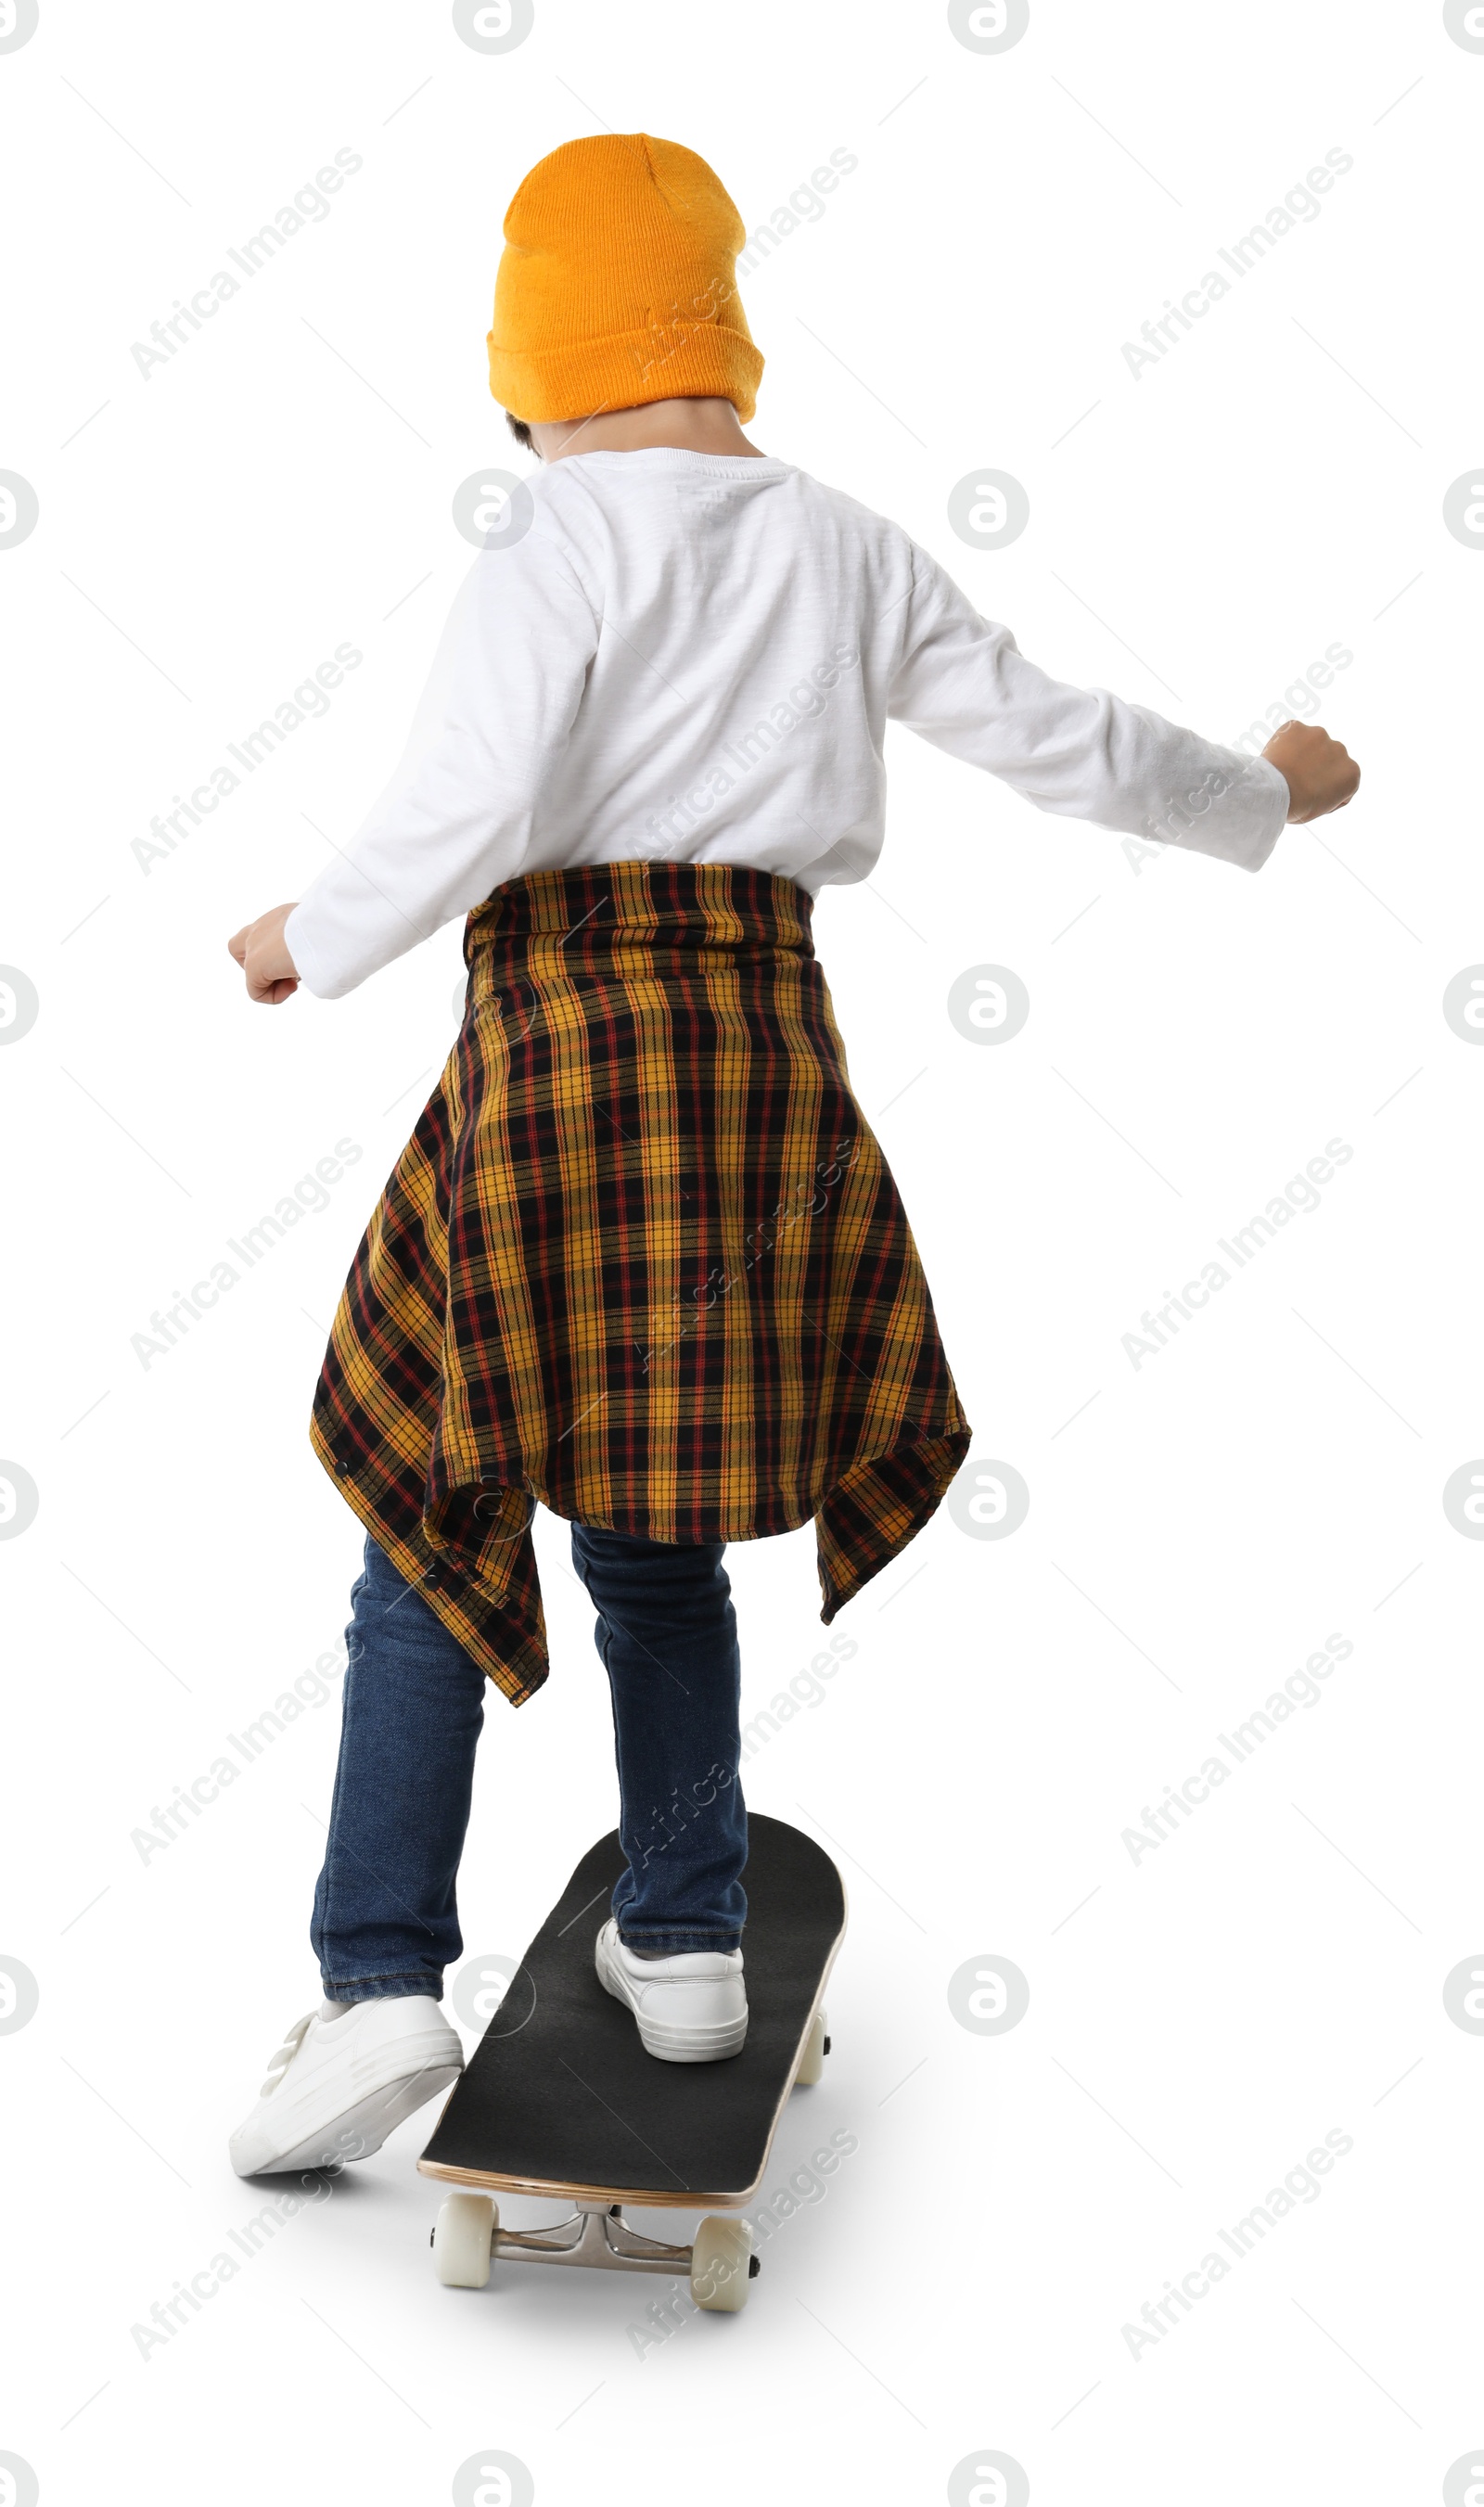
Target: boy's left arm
{"x":963,"y":682}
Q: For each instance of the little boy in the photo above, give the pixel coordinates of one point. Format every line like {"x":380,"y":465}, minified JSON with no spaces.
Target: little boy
{"x":642,"y":1261}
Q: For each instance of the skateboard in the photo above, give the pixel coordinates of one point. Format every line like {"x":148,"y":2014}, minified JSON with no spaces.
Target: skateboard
{"x":560,"y":2098}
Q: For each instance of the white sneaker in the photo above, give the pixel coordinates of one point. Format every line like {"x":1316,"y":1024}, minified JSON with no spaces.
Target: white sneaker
{"x":336,"y":2087}
{"x":692,"y":2007}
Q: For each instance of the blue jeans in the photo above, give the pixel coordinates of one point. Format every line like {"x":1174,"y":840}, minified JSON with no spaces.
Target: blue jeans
{"x":385,"y":1914}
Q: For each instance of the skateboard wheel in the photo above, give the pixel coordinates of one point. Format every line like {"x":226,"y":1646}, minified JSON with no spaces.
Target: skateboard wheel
{"x":816,"y":2048}
{"x":464,"y":2240}
{"x":721,"y":2261}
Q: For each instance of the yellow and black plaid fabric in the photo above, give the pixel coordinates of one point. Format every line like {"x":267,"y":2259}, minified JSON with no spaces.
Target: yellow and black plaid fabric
{"x":641,"y":1260}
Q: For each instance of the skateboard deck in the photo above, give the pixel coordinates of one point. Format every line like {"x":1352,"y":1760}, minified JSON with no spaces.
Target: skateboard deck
{"x":560,"y":2095}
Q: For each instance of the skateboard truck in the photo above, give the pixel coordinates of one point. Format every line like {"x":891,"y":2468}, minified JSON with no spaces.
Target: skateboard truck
{"x":468,"y":2238}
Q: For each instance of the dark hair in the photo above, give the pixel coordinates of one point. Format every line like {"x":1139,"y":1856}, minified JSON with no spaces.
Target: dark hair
{"x":521,"y":431}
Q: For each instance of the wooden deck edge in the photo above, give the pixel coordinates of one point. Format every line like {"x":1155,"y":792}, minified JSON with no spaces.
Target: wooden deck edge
{"x":637,"y":2198}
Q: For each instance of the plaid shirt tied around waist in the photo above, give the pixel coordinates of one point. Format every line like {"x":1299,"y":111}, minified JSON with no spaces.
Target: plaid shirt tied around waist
{"x":642,"y":1261}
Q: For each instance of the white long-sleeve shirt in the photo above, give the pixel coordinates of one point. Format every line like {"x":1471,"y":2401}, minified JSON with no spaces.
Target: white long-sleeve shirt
{"x":691,"y":657}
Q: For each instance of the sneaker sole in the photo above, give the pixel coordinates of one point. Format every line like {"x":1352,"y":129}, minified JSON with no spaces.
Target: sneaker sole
{"x":711,"y":2043}
{"x":359,"y":2132}
{"x":691,"y":2045}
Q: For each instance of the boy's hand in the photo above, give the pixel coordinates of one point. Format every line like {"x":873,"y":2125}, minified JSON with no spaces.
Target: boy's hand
{"x":260,"y":951}
{"x":1321,"y":775}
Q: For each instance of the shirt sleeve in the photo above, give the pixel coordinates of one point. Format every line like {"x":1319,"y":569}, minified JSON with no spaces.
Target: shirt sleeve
{"x":963,"y":683}
{"x":456,"y":819}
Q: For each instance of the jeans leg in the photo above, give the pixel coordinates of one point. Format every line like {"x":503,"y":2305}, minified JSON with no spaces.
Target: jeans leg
{"x":385,"y":1914}
{"x":667,"y":1633}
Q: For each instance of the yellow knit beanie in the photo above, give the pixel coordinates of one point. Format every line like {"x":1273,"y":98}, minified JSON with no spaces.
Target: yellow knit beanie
{"x":617,"y":284}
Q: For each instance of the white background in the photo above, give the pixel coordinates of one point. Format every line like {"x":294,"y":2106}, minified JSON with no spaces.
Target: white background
{"x":1198,"y":1526}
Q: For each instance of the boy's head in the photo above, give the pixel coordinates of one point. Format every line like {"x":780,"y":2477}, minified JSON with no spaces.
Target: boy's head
{"x":618,"y":286}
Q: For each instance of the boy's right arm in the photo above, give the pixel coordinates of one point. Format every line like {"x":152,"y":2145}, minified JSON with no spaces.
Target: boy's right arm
{"x":456,"y":819}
